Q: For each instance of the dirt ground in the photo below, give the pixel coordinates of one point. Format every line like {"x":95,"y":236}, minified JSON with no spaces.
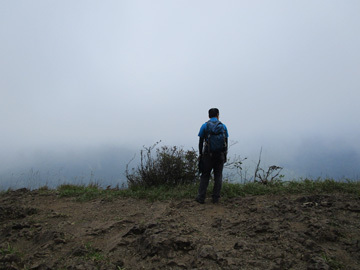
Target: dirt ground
{"x":43,"y":231}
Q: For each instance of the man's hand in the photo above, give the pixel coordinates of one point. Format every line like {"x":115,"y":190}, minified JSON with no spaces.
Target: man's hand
{"x":200,"y":163}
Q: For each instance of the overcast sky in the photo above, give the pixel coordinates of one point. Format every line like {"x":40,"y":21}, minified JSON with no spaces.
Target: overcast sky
{"x":85,"y":74}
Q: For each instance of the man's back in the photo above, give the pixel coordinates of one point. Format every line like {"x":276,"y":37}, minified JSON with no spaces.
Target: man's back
{"x":213,"y":155}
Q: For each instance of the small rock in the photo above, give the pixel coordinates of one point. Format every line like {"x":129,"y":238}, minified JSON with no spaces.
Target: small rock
{"x":318,"y":263}
{"x":41,"y":266}
{"x":19,"y":226}
{"x":217,"y":223}
{"x":182,"y":243}
{"x":119,"y":264}
{"x":136,"y":230}
{"x":208,"y":252}
{"x":176,"y":264}
{"x":240,"y":245}
{"x":59,"y":241}
{"x":80,"y":251}
{"x":10,"y":258}
{"x":310,"y":244}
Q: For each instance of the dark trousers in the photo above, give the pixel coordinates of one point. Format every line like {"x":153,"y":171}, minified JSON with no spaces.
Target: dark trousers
{"x":216,"y":163}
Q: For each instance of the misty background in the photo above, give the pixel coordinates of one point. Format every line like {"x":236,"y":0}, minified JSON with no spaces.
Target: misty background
{"x":85,"y":84}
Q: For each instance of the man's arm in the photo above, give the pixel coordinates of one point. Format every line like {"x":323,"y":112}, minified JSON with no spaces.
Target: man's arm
{"x":201,"y":144}
{"x":226,"y":151}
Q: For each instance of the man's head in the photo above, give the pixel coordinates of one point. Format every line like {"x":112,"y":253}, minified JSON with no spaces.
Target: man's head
{"x":214,"y":112}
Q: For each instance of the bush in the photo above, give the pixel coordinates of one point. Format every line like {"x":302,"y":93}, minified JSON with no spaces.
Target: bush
{"x":170,"y":166}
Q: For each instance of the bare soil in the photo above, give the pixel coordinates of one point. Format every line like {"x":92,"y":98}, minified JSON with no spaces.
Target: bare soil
{"x":43,"y":231}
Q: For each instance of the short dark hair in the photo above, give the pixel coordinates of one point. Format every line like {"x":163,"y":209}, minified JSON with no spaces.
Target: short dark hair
{"x":213,"y":112}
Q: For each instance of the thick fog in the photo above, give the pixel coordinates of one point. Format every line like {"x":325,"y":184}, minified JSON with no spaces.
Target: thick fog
{"x":85,"y":84}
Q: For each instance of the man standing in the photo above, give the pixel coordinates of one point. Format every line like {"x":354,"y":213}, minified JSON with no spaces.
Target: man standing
{"x":212,"y":154}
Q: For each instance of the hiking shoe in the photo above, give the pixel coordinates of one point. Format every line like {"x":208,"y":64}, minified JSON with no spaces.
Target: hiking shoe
{"x":215,"y":201}
{"x":199,"y":201}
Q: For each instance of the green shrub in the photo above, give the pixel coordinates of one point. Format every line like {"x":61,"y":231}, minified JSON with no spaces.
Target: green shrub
{"x":169,"y":166}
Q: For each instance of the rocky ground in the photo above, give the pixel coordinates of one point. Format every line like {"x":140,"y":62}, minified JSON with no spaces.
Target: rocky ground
{"x":42,"y":231}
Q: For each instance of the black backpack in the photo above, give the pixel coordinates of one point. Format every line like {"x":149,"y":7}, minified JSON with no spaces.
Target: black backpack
{"x":215,"y":137}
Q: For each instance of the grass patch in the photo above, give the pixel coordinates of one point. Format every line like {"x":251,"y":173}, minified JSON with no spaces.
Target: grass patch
{"x":93,"y":253}
{"x":8,"y":250}
{"x":229,"y":190}
{"x":332,"y":262}
{"x":86,"y":193}
{"x":81,"y":192}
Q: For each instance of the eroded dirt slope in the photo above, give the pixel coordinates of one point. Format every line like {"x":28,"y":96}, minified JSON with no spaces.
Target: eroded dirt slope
{"x":43,"y":231}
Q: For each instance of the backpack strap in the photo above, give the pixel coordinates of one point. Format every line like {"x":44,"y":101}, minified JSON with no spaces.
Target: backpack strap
{"x":215,"y":123}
